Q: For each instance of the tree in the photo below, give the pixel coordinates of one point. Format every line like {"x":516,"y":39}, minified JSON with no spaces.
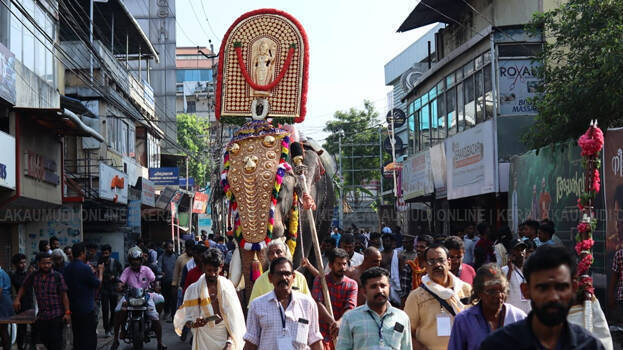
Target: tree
{"x":582,"y":70}
{"x":356,"y":126}
{"x":193,"y":134}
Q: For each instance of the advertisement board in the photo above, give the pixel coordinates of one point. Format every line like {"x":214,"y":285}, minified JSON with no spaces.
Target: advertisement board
{"x":148,"y":193}
{"x":204,"y":223}
{"x":546,"y":185}
{"x":200,"y":202}
{"x":164,"y":176}
{"x":470,"y":162}
{"x":7,"y":75}
{"x":417,"y":178}
{"x":7,"y":161}
{"x":438,"y":167}
{"x":517,"y":85}
{"x":113,"y":184}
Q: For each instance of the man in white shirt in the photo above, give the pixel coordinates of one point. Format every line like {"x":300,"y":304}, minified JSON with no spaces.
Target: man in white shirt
{"x":348,"y":244}
{"x":283,"y":318}
{"x":469,"y":242}
{"x":515,"y":277}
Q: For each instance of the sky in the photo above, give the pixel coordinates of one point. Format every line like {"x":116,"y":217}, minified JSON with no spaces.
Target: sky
{"x":349,"y":44}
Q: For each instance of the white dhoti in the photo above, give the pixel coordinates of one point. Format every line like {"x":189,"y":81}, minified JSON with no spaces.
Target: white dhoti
{"x":197,"y":304}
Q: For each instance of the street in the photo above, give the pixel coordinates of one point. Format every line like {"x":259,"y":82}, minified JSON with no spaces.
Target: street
{"x":170,"y":339}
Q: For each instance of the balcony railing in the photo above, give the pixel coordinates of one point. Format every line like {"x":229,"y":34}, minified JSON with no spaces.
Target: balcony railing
{"x":139,"y":91}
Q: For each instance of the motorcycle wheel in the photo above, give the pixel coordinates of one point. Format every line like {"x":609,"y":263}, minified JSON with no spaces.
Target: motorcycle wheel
{"x":137,"y":336}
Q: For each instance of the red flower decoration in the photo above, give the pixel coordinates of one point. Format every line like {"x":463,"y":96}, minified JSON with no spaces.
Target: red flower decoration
{"x":584,"y":227}
{"x":592,"y":141}
{"x":584,"y":245}
{"x":586,"y":284}
{"x":585,"y":264}
{"x":596,"y":182}
{"x":580,"y":206}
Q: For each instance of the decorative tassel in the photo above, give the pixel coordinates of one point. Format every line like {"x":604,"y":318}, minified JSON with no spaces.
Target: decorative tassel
{"x":256,"y":268}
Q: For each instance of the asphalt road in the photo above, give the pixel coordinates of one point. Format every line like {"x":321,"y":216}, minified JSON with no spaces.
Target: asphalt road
{"x":170,"y":339}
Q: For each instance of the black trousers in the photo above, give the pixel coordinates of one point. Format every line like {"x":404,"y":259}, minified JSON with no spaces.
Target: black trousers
{"x":169,"y":299}
{"x":109,"y":302}
{"x":84,"y":327}
{"x":51,"y":333}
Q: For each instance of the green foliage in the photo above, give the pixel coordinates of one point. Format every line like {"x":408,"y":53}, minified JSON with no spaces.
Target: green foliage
{"x":583,"y":66}
{"x":193,"y":134}
{"x":356,"y":126}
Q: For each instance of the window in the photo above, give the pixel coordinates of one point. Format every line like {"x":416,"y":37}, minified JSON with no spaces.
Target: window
{"x":183,"y":75}
{"x":153,"y":151}
{"x":132,"y":141}
{"x":191,"y":107}
{"x":29,"y":44}
{"x":4,"y":26}
{"x":457,"y":102}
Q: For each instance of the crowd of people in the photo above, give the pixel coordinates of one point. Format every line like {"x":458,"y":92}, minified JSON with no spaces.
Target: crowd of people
{"x":479,"y":289}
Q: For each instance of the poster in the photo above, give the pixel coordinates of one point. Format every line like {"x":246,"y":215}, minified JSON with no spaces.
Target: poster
{"x":546,"y":185}
{"x":417,"y":178}
{"x":612,"y":188}
{"x":113,"y":184}
{"x":200,"y":202}
{"x":470,"y":162}
{"x":517,"y":85}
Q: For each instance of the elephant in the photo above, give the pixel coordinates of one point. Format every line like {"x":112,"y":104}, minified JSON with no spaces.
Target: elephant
{"x":319,"y":169}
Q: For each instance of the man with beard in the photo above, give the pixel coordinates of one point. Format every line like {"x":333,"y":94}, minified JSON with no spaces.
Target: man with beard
{"x":360,"y":327}
{"x":413,"y":270}
{"x":551,"y":288}
{"x":219,"y":321}
{"x":343,"y":294}
{"x":283,"y":318}
{"x":371,"y":258}
{"x":433,"y":305}
{"x":515,"y":277}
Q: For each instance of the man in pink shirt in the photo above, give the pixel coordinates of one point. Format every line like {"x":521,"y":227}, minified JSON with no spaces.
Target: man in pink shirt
{"x":137,"y":276}
{"x":456,"y":251}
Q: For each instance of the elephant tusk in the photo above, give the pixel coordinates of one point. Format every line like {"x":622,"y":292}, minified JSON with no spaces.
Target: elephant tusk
{"x":235,"y":267}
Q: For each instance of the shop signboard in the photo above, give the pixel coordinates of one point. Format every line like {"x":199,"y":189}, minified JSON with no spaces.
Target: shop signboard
{"x":41,"y":168}
{"x":7,"y":161}
{"x":518,"y":84}
{"x":7,"y":75}
{"x":470,"y":162}
{"x":148,"y":192}
{"x":200,"y":203}
{"x":417,"y":178}
{"x":113,"y":184}
{"x":164,"y":176}
{"x":546,"y":185}
{"x":164,"y":198}
{"x":134,"y":215}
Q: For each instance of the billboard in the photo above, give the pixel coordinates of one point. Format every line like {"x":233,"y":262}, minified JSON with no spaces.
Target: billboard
{"x":470,"y":162}
{"x":517,"y":85}
{"x":417,"y":177}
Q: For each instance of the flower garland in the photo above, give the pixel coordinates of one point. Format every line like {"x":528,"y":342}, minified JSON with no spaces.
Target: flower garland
{"x":591,"y":143}
{"x":293,"y":224}
{"x":283,"y":167}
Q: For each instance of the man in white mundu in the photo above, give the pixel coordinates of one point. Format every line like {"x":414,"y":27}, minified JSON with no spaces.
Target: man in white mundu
{"x":211,"y":308}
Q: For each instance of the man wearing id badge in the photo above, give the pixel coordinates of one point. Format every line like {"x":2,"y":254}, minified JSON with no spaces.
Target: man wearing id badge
{"x":376,"y":325}
{"x":432,"y":306}
{"x":282,"y":319}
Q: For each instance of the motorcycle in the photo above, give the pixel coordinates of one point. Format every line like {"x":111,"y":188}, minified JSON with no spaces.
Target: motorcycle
{"x":137,"y":327}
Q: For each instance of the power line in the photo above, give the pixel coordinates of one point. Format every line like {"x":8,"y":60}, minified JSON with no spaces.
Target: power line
{"x":197,"y":17}
{"x":208,"y":20}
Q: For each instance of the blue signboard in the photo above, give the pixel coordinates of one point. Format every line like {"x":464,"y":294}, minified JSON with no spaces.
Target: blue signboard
{"x":191,"y":182}
{"x":164,"y":176}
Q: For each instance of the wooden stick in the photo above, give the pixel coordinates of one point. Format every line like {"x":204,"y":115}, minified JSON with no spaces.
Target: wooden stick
{"x":316,"y":244}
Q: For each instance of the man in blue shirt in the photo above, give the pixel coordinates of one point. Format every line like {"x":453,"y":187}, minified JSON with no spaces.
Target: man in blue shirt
{"x":82,"y":283}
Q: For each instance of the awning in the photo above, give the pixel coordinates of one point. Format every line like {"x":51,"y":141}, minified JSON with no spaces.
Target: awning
{"x":432,"y":11}
{"x":103,"y":13}
{"x":61,"y":120}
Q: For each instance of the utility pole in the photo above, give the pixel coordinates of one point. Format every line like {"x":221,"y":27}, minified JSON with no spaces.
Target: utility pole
{"x":91,"y":38}
{"x":341,"y":204}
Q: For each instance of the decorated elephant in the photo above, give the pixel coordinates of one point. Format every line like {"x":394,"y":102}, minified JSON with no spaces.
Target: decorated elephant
{"x":262,"y":76}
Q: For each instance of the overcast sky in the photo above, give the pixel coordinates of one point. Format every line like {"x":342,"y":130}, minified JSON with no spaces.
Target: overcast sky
{"x":349,"y":42}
